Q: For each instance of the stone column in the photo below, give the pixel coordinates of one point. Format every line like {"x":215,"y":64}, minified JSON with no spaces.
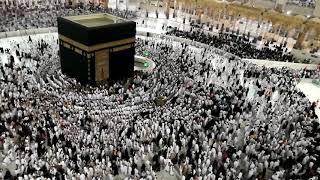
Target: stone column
{"x":316,"y":11}
{"x":167,"y":11}
{"x":301,"y":38}
{"x":74,"y":2}
{"x":106,"y":4}
{"x":252,"y":3}
{"x":175,"y":9}
{"x":280,"y":5}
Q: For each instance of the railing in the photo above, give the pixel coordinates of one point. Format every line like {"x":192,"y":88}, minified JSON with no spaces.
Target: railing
{"x":279,"y":64}
{"x":27,"y":32}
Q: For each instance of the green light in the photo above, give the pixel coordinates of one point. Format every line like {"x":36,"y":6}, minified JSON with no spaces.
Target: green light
{"x":146,"y":53}
{"x":145,"y":64}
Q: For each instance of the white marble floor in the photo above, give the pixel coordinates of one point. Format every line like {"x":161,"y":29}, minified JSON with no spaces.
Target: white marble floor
{"x":311,"y":91}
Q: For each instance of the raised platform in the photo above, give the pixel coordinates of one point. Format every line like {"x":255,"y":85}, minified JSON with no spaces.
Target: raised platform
{"x":143,"y":64}
{"x":280,"y":64}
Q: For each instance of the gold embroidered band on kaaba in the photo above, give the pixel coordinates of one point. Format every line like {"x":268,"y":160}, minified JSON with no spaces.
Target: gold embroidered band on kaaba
{"x":97,"y":46}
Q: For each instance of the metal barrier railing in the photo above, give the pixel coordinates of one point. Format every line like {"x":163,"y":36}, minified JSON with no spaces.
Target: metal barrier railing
{"x":27,"y":32}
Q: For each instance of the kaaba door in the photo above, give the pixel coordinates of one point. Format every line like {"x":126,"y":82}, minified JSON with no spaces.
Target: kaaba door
{"x":102,"y":65}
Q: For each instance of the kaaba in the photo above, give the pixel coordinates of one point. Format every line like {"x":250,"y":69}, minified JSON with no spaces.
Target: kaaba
{"x":96,"y":48}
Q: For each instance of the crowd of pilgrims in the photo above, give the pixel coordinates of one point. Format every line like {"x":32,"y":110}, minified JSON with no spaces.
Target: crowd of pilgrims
{"x":16,"y":17}
{"x":306,"y":3}
{"x":21,"y":17}
{"x":239,"y":45}
{"x":223,"y":118}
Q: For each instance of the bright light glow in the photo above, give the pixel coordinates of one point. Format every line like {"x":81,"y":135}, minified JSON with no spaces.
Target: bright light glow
{"x":288,"y":12}
{"x":308,"y":16}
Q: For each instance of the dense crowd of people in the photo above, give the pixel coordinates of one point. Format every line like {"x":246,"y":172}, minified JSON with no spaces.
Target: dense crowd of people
{"x":17,"y":18}
{"x":221,"y":118}
{"x":238,"y":45}
{"x":305,"y":3}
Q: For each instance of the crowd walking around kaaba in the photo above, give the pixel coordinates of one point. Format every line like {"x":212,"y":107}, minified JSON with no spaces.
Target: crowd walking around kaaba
{"x":223,"y":118}
{"x":238,"y":45}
